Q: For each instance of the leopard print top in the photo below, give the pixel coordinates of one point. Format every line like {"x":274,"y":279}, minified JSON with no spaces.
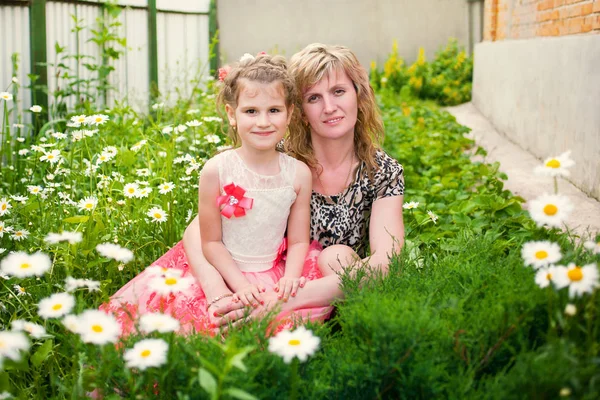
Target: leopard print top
{"x":344,"y":218}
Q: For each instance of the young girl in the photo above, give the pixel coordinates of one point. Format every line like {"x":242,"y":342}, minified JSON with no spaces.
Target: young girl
{"x":248,"y":197}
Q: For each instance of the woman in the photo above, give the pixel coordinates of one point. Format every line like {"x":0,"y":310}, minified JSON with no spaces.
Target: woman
{"x":357,"y":188}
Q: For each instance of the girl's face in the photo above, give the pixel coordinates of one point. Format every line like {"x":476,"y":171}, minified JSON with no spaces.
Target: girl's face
{"x":261,"y":116}
{"x":331,"y":106}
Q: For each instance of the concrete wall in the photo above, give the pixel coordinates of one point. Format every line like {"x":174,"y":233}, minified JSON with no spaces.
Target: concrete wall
{"x":368,"y":27}
{"x":544,"y":95}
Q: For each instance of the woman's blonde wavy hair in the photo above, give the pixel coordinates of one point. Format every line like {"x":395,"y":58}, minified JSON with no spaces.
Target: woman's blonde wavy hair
{"x":308,"y":67}
{"x":263,"y":68}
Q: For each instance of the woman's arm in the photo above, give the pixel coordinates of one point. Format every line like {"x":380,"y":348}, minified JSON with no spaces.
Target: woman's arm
{"x":386,"y":231}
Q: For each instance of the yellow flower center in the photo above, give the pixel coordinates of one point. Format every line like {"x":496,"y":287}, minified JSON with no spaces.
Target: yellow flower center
{"x":170,"y":281}
{"x":157,"y":215}
{"x":294,"y":342}
{"x":540,"y":255}
{"x":22,"y":290}
{"x":98,"y":119}
{"x":131,"y":190}
{"x":575,"y":274}
{"x":18,"y":233}
{"x":550,"y":209}
{"x":97,"y":328}
{"x":554,"y":163}
{"x":3,"y":206}
{"x":2,"y":344}
{"x":89,"y":205}
{"x":50,"y":156}
{"x":145,"y":353}
{"x":549,"y":276}
{"x":25,"y":265}
{"x":57,"y":307}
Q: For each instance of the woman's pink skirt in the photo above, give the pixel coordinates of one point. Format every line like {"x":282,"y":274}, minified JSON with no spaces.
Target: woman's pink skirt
{"x":189,"y":306}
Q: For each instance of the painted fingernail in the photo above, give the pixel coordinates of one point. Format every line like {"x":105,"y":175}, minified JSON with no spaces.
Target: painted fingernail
{"x":279,"y":297}
{"x":215,"y":314}
{"x":264,"y":290}
{"x":262,"y":303}
{"x":276,"y":289}
{"x":212,"y":326}
{"x":293,"y":294}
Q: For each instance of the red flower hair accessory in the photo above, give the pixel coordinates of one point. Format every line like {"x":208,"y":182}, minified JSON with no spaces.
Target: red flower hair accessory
{"x":234,"y":200}
{"x":223,"y":71}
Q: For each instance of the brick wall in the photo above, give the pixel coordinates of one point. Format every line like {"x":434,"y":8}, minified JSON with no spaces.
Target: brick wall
{"x":524,"y":19}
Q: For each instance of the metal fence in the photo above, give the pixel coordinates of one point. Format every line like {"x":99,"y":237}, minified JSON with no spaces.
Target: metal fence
{"x":167,"y":44}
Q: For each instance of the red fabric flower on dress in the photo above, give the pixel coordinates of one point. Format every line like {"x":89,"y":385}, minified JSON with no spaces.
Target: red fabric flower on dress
{"x":234,"y":200}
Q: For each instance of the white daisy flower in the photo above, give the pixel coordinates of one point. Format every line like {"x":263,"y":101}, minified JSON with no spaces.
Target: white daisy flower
{"x":410,"y":205}
{"x":180,"y":128}
{"x":78,"y":120}
{"x":212,"y":119}
{"x":580,"y":280}
{"x":4,"y":206}
{"x":299,"y":343}
{"x":158,"y":322}
{"x":111,"y":150}
{"x":136,"y":147}
{"x":103,"y":157}
{"x":212,"y":139}
{"x":193,"y":123}
{"x":131,"y":190}
{"x":169,"y":284}
{"x":76,"y":136}
{"x":166,"y":187}
{"x":59,"y":135}
{"x":4,"y":229}
{"x":72,"y":284}
{"x":5,"y":395}
{"x":37,"y":148}
{"x":167,"y":129}
{"x":144,"y":192}
{"x":22,"y":265}
{"x":156,"y":106}
{"x":192,"y":111}
{"x":97,"y":119}
{"x":432,"y":216}
{"x":6,"y":96}
{"x":20,"y":234}
{"x":72,"y":237}
{"x":34,"y":330}
{"x":23,"y":152}
{"x":55,"y":306}
{"x":556,"y":166}
{"x":541,"y":253}
{"x":146,"y":353}
{"x":116,"y":252}
{"x":571,"y":310}
{"x":157,"y":270}
{"x":592,"y":246}
{"x":88,"y":203}
{"x":97,"y":327}
{"x":51,"y":157}
{"x":71,"y":322}
{"x":35,"y":109}
{"x":157,"y":214}
{"x":35,"y":189}
{"x":21,"y":139}
{"x":12,"y":344}
{"x":545,"y":275}
{"x":550,"y":209}
{"x":21,"y":199}
{"x":142,"y":172}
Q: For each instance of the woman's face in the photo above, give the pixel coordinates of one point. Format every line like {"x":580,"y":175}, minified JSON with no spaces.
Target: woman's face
{"x":331,"y":106}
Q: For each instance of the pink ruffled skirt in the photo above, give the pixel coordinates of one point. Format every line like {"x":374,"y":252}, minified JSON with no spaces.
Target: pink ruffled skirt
{"x":189,"y":306}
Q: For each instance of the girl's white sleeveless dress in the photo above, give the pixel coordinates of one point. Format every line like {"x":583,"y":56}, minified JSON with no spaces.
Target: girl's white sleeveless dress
{"x":254,"y":241}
